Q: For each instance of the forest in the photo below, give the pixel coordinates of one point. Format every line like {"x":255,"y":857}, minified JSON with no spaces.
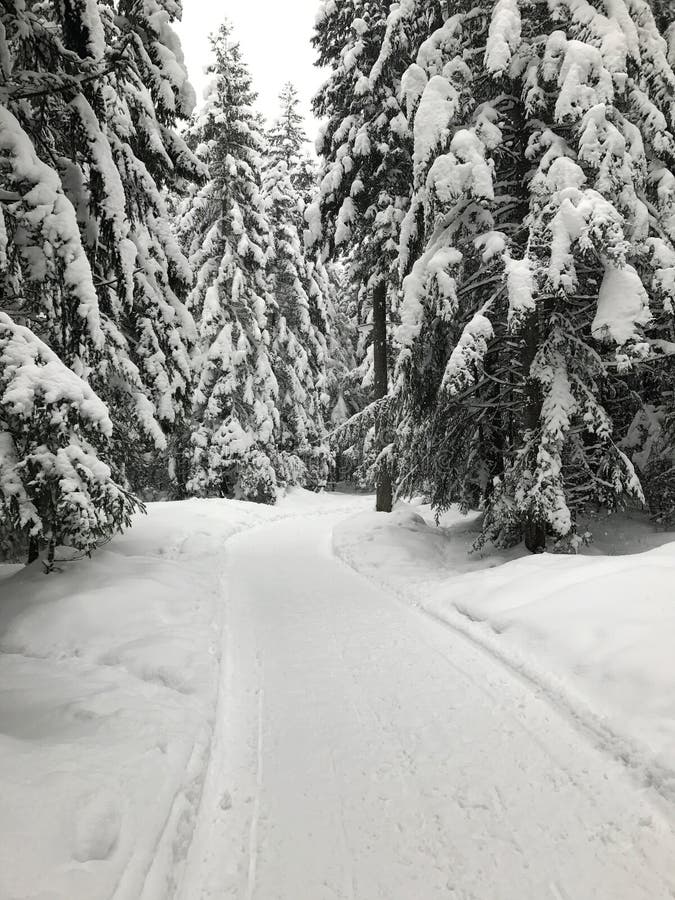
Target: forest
{"x":466,"y":293}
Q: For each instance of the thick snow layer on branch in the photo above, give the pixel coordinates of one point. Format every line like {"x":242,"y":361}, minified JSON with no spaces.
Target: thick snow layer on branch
{"x":520,"y":287}
{"x":89,"y":15}
{"x":32,"y":375}
{"x":468,"y":355}
{"x":503,"y":36}
{"x":491,"y":244}
{"x":112,"y":195}
{"x":623,"y":306}
{"x":432,"y":122}
{"x":413,"y":83}
{"x":436,"y":49}
{"x":397,"y":15}
{"x":50,"y":223}
{"x":463,"y":170}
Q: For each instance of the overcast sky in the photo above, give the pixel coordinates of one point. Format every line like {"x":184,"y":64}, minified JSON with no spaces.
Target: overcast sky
{"x":275,"y":42}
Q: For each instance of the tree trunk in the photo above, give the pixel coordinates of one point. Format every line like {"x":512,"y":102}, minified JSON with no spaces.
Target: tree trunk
{"x":381,"y":384}
{"x":33,"y":549}
{"x":534,"y":529}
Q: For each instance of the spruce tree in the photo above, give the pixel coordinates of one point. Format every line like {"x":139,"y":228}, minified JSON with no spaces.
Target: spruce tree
{"x":288,"y":142}
{"x":300,"y":321}
{"x":539,"y":257}
{"x":365,"y":183}
{"x":54,"y":431}
{"x":56,"y":485}
{"x":99,"y":89}
{"x":226,"y":231}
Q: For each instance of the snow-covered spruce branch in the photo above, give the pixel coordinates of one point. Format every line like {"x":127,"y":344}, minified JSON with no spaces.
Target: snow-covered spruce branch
{"x":361,"y":421}
{"x":68,"y":82}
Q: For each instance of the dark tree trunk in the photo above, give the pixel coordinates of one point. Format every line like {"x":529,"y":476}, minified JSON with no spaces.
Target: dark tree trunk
{"x":33,"y":549}
{"x":381,"y":383}
{"x":534,"y":529}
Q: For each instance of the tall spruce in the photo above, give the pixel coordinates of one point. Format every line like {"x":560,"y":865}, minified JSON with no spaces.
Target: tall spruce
{"x":539,"y":257}
{"x":366,"y":180}
{"x":89,"y":96}
{"x":99,"y":89}
{"x":226,"y":231}
{"x":300,"y":320}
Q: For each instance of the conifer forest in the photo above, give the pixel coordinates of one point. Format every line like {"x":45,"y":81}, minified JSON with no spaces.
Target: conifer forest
{"x":468,"y":294}
{"x":438,"y":339}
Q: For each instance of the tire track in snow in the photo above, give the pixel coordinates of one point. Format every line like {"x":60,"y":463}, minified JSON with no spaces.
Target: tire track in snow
{"x":639,"y":762}
{"x":255,"y":818}
{"x":423,"y":750}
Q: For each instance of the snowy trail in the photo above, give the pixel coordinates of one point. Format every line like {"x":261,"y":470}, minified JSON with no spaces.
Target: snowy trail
{"x":364,"y":752}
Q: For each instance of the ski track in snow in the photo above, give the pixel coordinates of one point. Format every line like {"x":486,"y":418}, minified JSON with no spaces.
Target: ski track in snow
{"x":362,"y":751}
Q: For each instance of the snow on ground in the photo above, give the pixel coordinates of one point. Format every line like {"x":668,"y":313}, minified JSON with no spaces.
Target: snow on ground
{"x":108,"y":678}
{"x":596,"y":631}
{"x":215,"y":706}
{"x":107,"y":674}
{"x":364,"y":752}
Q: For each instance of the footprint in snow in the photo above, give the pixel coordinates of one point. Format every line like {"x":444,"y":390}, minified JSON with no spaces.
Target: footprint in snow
{"x":97,"y":827}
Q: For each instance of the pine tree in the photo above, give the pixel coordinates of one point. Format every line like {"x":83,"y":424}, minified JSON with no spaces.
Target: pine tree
{"x":99,"y":88}
{"x":226,"y":230}
{"x":54,"y":488}
{"x":287,"y":142}
{"x":300,"y":323}
{"x":364,"y":190}
{"x":539,"y":250}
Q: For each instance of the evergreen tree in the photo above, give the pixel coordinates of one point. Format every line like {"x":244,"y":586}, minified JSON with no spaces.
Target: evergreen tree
{"x":54,"y":488}
{"x":366,"y":178}
{"x":98,"y":88}
{"x":301,"y":321}
{"x":539,"y":251}
{"x":287,"y":142}
{"x":226,"y":230}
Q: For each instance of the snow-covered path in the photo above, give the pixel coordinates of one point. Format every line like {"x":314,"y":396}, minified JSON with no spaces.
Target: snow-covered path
{"x":364,"y":751}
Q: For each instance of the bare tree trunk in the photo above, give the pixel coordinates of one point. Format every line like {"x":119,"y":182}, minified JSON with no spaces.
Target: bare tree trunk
{"x":381,"y":383}
{"x":534,"y":529}
{"x":33,"y":549}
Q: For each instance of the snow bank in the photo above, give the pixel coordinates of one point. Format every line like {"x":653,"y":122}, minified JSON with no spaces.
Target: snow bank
{"x":597,"y":629}
{"x":108,"y":687}
{"x":606,"y":624}
{"x":108,"y":674}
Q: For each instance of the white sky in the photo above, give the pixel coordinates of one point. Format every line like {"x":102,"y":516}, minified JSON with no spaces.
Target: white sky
{"x":275,"y":42}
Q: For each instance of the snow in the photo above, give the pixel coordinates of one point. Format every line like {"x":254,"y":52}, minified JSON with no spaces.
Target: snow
{"x":215,"y":705}
{"x":436,"y":111}
{"x":33,"y":375}
{"x":519,"y":284}
{"x":503,"y":36}
{"x":108,"y":674}
{"x":467,"y":355}
{"x":367,"y":752}
{"x":465,"y":169}
{"x":623,"y":305}
{"x":413,"y":83}
{"x":50,"y":223}
{"x":92,"y":21}
{"x":594,"y":632}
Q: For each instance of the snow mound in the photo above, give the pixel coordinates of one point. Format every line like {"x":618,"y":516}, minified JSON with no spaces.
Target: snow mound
{"x":596,"y":630}
{"x":606,"y":625}
{"x":108,"y":674}
{"x":108,"y":683}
